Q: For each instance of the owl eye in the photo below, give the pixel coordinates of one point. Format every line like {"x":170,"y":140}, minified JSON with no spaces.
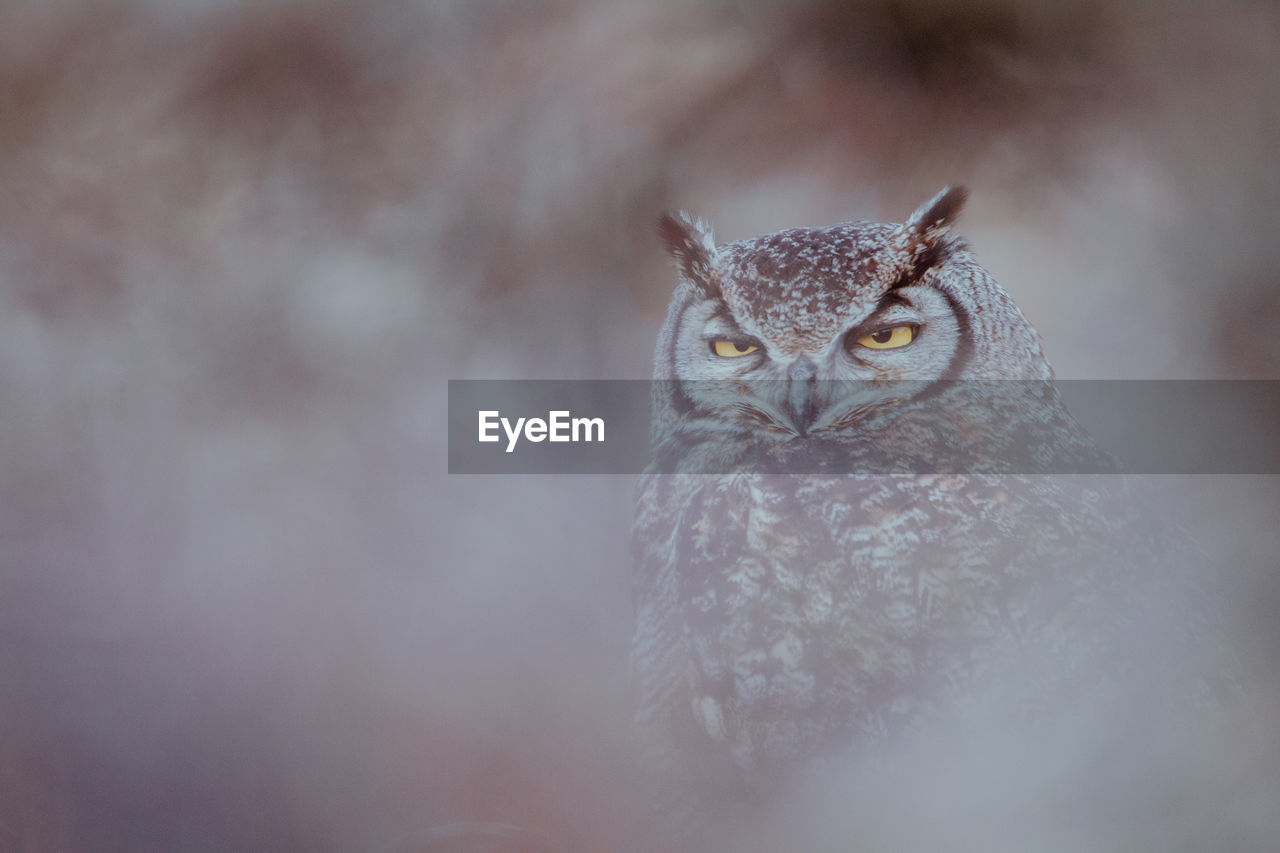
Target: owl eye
{"x":890,"y":338}
{"x":732,"y":349}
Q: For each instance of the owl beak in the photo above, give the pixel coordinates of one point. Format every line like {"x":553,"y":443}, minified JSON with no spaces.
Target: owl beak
{"x":802,"y":385}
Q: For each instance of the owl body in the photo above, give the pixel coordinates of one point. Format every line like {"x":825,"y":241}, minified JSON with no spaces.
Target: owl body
{"x":855,"y":522}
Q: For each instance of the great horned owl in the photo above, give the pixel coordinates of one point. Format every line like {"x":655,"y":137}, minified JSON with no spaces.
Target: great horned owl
{"x":786,"y":617}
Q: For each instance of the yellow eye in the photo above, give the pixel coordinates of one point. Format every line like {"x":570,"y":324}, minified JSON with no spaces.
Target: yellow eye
{"x":898,"y":336}
{"x":732,"y":349}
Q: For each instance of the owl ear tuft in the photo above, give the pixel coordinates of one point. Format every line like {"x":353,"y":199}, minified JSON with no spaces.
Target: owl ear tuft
{"x":939,"y":212}
{"x":690,"y":241}
{"x":922,"y":239}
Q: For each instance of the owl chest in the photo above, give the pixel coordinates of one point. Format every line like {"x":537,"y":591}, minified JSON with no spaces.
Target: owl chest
{"x":806,"y":613}
{"x":830,"y":558}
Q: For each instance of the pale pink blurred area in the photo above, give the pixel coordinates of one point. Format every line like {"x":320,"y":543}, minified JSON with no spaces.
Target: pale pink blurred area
{"x":243,"y":248}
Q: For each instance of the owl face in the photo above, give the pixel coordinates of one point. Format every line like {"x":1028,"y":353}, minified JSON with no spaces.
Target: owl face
{"x":838,"y":323}
{"x":805,"y":331}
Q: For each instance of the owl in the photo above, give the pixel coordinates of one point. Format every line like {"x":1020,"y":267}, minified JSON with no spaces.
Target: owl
{"x":867,"y":508}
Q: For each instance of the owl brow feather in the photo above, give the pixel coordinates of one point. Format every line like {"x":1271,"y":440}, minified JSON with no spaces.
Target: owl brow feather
{"x":876,"y":317}
{"x":722,"y":312}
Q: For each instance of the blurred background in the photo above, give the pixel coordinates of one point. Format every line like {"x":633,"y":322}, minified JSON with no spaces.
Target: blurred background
{"x":244,"y":246}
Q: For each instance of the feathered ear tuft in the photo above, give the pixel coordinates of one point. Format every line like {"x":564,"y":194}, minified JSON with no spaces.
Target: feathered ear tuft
{"x":689,"y":240}
{"x":922,"y":239}
{"x":939,"y":212}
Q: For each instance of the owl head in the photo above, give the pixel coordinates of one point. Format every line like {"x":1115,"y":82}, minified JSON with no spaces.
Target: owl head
{"x":800,"y":330}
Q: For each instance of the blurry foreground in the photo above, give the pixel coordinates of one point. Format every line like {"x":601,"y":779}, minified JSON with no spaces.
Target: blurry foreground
{"x":243,"y":247}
